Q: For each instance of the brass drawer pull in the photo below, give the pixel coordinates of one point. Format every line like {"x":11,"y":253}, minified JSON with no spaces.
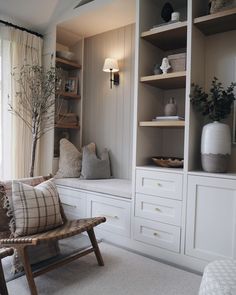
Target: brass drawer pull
{"x":159,"y":184}
{"x":68,"y":205}
{"x":158,"y":209}
{"x":156,"y":234}
{"x":110,"y":217}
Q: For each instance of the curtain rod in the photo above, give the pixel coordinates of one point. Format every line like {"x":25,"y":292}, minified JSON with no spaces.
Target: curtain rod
{"x":21,"y":28}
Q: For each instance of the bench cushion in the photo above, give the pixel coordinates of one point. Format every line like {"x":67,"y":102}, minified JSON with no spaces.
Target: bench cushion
{"x":115,"y":187}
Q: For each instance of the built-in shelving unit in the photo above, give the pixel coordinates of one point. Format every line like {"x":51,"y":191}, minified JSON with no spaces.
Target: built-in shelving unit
{"x":67,"y":65}
{"x":166,"y":81}
{"x":164,"y":123}
{"x":168,"y":37}
{"x":217,"y":23}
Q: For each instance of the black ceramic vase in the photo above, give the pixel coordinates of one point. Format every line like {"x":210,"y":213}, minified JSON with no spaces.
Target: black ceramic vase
{"x":167,"y":11}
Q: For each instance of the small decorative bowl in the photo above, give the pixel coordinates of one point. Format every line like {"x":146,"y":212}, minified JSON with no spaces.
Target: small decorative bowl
{"x":168,"y":162}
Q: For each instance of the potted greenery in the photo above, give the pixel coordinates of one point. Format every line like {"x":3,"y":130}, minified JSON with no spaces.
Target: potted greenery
{"x":216,"y":138}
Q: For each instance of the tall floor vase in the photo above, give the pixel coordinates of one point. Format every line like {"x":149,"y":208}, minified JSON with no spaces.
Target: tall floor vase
{"x":215,"y":147}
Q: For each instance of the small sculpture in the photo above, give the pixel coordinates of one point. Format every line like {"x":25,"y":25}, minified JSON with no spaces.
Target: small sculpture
{"x":166,"y":12}
{"x":165,"y":66}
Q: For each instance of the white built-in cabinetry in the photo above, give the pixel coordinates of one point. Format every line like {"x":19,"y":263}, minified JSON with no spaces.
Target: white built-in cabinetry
{"x":183,"y":216}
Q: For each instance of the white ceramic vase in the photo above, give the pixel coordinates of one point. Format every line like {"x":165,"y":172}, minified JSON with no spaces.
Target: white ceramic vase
{"x":215,"y":147}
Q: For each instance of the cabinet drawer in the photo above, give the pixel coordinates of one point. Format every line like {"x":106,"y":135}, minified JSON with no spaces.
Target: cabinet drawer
{"x":117,"y":213}
{"x":73,"y":202}
{"x":158,"y":209}
{"x":157,"y":234}
{"x":162,"y":184}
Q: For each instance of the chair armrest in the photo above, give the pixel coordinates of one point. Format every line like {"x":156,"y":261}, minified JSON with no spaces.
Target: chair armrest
{"x":24,"y":241}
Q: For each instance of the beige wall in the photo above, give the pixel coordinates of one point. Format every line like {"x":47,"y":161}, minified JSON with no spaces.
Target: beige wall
{"x":108,"y":113}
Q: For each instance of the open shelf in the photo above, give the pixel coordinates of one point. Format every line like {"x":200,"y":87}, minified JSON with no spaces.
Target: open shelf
{"x":167,"y":37}
{"x":217,"y":23}
{"x":166,"y":81}
{"x":162,"y":169}
{"x":66,"y":126}
{"x":67,"y":65}
{"x":164,"y":123}
{"x":68,"y":95}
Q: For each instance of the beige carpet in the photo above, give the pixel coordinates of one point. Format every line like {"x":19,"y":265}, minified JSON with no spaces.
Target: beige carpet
{"x":124,"y":273}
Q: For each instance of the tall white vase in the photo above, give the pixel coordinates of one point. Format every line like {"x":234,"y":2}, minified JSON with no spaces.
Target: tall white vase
{"x":215,"y":147}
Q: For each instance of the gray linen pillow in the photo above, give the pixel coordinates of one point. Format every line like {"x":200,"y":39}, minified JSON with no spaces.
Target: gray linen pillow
{"x":93,"y":167}
{"x":70,"y":159}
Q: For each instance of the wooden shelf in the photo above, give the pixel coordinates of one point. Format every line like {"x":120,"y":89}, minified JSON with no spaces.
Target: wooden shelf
{"x":68,"y":95}
{"x":217,"y":23}
{"x":164,"y":123}
{"x":67,"y":65}
{"x":166,"y":81}
{"x":66,"y":126}
{"x":167,"y":37}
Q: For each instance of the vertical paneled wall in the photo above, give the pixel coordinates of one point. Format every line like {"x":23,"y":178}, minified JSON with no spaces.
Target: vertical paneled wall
{"x":108,"y":113}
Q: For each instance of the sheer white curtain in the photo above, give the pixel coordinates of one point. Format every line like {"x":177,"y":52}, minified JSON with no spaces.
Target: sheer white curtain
{"x":17,"y":48}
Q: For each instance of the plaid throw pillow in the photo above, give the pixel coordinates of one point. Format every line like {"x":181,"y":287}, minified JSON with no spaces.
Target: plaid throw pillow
{"x":36,"y":209}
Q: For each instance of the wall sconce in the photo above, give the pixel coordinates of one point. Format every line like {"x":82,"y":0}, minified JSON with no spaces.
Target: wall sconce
{"x":111,"y":66}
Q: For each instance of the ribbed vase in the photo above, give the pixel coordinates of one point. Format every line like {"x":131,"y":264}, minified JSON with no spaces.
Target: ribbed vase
{"x":215,"y":147}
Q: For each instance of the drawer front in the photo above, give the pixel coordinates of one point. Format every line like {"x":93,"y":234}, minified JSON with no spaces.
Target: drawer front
{"x":157,"y":234}
{"x":73,"y":202}
{"x":117,"y":214}
{"x":158,"y":209}
{"x":161,"y":184}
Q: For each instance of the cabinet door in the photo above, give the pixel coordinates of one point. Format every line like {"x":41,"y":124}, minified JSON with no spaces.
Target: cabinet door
{"x":211,"y":218}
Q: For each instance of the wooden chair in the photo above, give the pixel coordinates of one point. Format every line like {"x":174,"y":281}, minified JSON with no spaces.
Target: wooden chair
{"x":4,"y":252}
{"x":68,"y":229}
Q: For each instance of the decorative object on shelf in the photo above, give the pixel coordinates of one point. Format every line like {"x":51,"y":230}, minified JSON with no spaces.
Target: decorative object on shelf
{"x":234,"y":124}
{"x":68,"y":55}
{"x":111,"y":66}
{"x":168,"y":118}
{"x":171,"y":108}
{"x":168,"y":162}
{"x":216,"y":138}
{"x":165,"y":65}
{"x":177,"y":62}
{"x":157,"y":69}
{"x":166,"y":12}
{"x":71,"y":85}
{"x":175,"y":16}
{"x":219,"y":5}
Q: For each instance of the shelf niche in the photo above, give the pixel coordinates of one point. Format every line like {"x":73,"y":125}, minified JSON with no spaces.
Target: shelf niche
{"x":168,"y":37}
{"x":219,"y":22}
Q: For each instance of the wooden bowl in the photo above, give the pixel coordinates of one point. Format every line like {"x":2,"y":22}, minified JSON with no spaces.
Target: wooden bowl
{"x":168,"y":162}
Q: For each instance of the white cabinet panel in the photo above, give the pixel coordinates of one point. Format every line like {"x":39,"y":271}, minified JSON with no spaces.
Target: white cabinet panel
{"x":157,"y":234}
{"x":158,"y":209}
{"x":117,"y":213}
{"x":73,"y":202}
{"x":211,"y":218}
{"x":167,"y":185}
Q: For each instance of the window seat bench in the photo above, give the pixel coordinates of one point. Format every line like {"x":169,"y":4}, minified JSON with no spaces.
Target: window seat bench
{"x":110,"y":198}
{"x":114,"y":186}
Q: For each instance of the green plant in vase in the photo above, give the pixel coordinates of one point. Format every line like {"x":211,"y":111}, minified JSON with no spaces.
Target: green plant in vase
{"x":216,"y":138}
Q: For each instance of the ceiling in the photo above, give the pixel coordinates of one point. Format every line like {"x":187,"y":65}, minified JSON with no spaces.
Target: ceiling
{"x":93,"y":18}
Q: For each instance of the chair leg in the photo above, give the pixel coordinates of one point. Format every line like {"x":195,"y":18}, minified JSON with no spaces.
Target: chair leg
{"x":95,"y":246}
{"x":22,"y":252}
{"x":3,"y":286}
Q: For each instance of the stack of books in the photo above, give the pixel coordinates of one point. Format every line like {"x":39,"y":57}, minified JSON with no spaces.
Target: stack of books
{"x":174,"y":118}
